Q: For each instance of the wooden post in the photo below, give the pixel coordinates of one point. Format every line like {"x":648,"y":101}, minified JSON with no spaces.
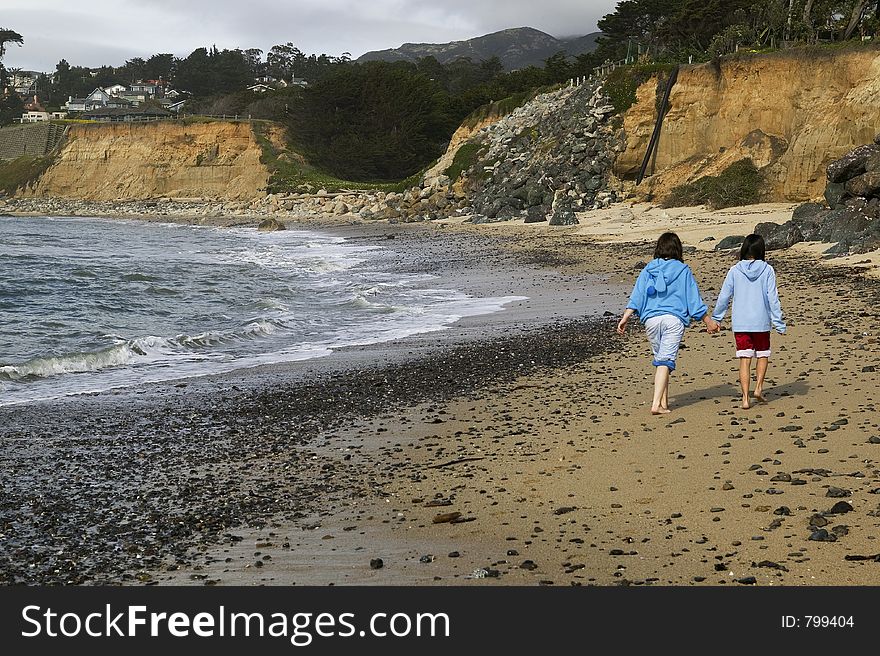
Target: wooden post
{"x":655,"y":136}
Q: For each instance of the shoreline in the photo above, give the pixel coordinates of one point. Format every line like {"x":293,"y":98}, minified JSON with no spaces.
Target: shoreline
{"x":550,"y":456}
{"x":199,"y":454}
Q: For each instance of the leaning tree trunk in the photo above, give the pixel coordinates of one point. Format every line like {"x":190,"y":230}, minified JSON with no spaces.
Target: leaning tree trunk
{"x":855,"y":19}
{"x":808,"y":8}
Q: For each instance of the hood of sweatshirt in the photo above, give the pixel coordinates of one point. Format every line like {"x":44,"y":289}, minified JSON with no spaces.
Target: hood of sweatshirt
{"x":752,"y":269}
{"x":663,"y":273}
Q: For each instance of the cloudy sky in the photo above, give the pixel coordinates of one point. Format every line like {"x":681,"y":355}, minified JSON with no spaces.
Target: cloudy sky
{"x":110,"y":31}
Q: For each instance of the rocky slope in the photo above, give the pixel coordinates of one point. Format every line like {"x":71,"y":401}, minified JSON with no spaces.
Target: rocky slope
{"x":516,"y":48}
{"x":165,"y":159}
{"x":793,"y":113}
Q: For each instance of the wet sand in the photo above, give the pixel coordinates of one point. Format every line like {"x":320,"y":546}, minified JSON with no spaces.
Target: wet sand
{"x":515,"y":450}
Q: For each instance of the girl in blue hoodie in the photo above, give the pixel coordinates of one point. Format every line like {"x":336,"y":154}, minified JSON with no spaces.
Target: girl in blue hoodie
{"x":666,"y":298}
{"x":752,"y":285}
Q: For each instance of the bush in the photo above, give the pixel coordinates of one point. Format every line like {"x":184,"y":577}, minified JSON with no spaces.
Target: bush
{"x":465,"y":157}
{"x":739,"y":184}
{"x":621,"y":84}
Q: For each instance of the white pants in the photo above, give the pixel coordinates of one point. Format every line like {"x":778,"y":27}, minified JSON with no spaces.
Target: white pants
{"x":664,"y":332}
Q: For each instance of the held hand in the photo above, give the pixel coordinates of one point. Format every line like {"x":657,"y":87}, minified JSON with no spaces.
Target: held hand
{"x":712,"y":326}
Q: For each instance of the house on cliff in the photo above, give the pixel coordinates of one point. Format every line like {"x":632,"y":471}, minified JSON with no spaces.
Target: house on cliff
{"x":127,"y":114}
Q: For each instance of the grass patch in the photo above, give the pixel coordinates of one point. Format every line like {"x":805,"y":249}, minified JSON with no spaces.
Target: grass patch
{"x":621,"y":83}
{"x":739,"y":184}
{"x":290,"y":173}
{"x":16,"y":173}
{"x":465,"y":157}
{"x":807,"y":51}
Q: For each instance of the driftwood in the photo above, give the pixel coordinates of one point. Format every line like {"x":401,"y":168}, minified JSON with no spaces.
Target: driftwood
{"x":454,"y":462}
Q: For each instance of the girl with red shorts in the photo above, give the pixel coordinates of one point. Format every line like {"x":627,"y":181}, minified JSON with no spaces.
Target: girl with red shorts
{"x":751,"y":284}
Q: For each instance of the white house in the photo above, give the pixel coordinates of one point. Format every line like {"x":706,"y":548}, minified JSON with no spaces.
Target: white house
{"x":97,"y":98}
{"x":134,"y":98}
{"x":259,"y":88}
{"x":145,"y":88}
{"x":24,"y":83}
{"x":34,"y":117}
{"x":115,"y":90}
{"x":75,"y":104}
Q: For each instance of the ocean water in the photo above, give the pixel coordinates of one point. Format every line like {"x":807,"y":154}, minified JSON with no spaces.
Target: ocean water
{"x":89,"y":305}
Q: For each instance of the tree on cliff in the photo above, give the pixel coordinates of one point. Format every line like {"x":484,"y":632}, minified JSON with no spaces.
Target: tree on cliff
{"x":7,"y":37}
{"x":674,"y":29}
{"x":373,"y":121}
{"x":205,"y":72}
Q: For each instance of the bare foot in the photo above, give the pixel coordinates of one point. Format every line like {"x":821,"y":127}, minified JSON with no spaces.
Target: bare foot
{"x":745,"y":404}
{"x":759,"y":396}
{"x":660,"y":411}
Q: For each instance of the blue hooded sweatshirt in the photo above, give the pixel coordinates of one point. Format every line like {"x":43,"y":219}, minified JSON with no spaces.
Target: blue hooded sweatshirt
{"x":667,"y":287}
{"x":752,"y":285}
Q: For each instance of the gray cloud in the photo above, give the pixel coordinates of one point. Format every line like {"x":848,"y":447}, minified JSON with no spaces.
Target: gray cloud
{"x":111,"y":31}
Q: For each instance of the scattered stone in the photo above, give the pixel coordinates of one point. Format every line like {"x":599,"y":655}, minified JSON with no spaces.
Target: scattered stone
{"x":771,"y":565}
{"x":837,"y":492}
{"x":818,"y":520}
{"x":822,"y":535}
{"x":444,"y":518}
{"x":377,"y":563}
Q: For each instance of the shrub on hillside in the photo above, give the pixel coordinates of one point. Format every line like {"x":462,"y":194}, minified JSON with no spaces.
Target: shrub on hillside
{"x":739,"y":184}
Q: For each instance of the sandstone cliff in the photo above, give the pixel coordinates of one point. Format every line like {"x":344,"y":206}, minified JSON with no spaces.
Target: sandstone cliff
{"x":793,"y":113}
{"x":136,"y":161}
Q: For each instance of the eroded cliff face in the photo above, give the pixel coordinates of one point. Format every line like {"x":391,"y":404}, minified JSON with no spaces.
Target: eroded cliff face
{"x":791,"y":113}
{"x":137,"y":161}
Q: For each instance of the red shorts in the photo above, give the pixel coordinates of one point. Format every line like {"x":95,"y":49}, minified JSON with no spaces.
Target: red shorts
{"x":752,"y":345}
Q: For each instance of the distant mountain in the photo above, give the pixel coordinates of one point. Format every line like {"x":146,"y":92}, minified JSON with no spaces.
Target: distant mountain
{"x":516,"y":48}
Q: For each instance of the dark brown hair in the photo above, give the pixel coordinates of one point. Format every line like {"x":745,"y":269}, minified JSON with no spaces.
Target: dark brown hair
{"x":752,"y":248}
{"x":668,"y":247}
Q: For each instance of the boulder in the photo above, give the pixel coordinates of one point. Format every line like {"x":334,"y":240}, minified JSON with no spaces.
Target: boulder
{"x":536,"y":214}
{"x":733,"y":241}
{"x":270,"y":225}
{"x":779,"y":236}
{"x":563,"y":216}
{"x":835,"y":194}
{"x":806,"y":210}
{"x":851,"y":164}
{"x":844,"y":225}
{"x":865,"y":185}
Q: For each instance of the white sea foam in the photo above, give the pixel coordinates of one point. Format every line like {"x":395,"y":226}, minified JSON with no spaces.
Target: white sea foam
{"x":193,"y":301}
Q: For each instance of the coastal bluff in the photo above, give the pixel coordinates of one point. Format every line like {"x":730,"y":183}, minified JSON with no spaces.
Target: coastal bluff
{"x":125,"y":161}
{"x":792,"y":113}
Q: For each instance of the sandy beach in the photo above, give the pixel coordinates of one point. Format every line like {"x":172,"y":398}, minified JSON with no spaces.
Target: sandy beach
{"x":516,"y":449}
